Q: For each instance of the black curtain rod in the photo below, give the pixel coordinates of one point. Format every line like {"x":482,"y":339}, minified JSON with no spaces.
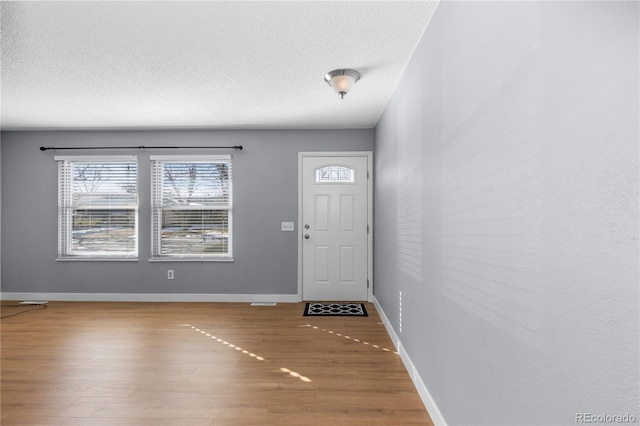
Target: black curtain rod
{"x":236,"y":147}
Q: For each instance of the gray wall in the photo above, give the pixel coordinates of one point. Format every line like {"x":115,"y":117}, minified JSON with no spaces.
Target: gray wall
{"x":506,"y":211}
{"x":265,"y":194}
{"x":0,"y":209}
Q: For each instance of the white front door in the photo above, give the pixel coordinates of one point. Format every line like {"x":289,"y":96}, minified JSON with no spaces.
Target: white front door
{"x":334,"y":228}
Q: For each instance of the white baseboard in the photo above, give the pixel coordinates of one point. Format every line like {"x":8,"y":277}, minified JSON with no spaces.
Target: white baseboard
{"x":151,"y":297}
{"x":425,"y":395}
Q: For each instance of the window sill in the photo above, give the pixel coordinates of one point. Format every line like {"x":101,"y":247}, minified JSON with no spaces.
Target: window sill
{"x":97,"y":259}
{"x":191,"y":259}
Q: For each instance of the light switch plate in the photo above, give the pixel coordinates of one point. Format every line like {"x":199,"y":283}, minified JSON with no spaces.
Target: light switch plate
{"x":288,"y":227}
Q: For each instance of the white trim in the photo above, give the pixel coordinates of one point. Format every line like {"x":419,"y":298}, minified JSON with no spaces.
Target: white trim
{"x":151,"y":297}
{"x":369,"y":155}
{"x":96,"y":157}
{"x":190,"y":158}
{"x":425,"y":395}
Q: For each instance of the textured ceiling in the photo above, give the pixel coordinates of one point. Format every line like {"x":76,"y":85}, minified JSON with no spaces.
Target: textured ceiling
{"x":238,"y":64}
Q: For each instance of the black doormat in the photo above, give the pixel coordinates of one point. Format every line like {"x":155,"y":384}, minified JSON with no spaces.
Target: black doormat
{"x":332,"y":309}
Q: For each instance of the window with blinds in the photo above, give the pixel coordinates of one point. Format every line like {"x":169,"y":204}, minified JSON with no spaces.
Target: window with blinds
{"x":97,"y":207}
{"x":191,"y":207}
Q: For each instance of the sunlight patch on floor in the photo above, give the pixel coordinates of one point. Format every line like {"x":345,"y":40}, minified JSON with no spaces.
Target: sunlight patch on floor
{"x":353,"y":339}
{"x":246,"y":352}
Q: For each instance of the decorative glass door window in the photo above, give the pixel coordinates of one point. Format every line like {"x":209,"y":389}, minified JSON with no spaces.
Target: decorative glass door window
{"x":334,"y":174}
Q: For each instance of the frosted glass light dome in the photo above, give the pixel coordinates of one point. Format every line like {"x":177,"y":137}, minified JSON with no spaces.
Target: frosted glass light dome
{"x":342,"y":80}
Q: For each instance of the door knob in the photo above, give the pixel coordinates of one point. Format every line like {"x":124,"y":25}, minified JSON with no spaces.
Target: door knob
{"x":306,"y":236}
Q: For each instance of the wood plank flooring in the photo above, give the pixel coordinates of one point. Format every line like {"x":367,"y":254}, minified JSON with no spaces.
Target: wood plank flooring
{"x":200,"y":364}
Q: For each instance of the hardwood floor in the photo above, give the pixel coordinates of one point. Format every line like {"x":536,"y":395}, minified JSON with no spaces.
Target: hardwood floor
{"x":200,"y":364}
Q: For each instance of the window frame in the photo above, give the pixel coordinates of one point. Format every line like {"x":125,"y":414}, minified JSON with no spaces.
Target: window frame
{"x":66,"y":209}
{"x":157,"y":207}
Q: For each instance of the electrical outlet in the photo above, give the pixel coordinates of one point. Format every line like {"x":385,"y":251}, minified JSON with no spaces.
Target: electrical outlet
{"x":170,"y":274}
{"x":288,"y":226}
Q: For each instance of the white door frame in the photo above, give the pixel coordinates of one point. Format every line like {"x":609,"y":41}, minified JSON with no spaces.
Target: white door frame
{"x":369,"y":155}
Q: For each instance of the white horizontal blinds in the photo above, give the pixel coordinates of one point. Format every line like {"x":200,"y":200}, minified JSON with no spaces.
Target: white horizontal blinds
{"x":65,"y":208}
{"x":98,"y":202}
{"x":192,"y":207}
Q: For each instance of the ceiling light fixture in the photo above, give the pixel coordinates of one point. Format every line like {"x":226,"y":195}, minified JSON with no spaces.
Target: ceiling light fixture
{"x":342,"y":80}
